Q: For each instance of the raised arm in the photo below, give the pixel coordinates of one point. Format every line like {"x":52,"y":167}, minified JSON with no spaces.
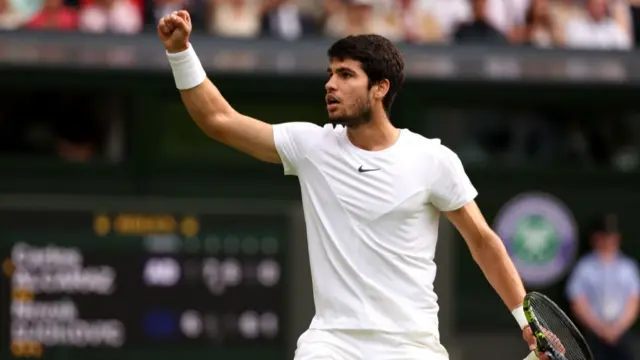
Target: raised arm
{"x":204,"y":102}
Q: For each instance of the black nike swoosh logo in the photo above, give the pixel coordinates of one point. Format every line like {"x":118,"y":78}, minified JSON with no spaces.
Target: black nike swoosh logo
{"x":360,"y":169}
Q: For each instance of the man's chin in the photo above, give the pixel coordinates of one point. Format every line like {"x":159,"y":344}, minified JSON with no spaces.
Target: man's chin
{"x":338,"y":120}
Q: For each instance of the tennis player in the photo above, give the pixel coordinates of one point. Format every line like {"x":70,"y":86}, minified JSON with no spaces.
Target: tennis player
{"x":372,"y":196}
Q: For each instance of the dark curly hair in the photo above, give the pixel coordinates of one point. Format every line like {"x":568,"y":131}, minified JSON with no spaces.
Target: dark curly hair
{"x":380,"y":60}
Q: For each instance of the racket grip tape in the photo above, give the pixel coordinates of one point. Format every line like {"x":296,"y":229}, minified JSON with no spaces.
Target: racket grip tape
{"x":532,"y":356}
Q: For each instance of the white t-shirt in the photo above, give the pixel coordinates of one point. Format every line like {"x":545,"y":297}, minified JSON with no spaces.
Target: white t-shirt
{"x":584,"y":33}
{"x":372,"y":224}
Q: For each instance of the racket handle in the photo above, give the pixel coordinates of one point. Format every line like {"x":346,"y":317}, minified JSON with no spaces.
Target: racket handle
{"x":532,"y":356}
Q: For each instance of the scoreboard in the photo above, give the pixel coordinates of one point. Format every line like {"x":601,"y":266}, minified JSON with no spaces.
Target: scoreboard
{"x":126,"y":284}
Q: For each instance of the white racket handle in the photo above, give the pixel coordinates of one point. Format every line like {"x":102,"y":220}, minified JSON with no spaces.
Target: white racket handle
{"x":532,"y":356}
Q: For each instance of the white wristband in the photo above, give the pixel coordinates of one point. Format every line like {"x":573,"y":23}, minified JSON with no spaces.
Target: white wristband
{"x":518,"y":314}
{"x":187,"y":69}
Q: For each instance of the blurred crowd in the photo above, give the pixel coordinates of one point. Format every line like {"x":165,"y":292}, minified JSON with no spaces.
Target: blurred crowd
{"x":594,"y":24}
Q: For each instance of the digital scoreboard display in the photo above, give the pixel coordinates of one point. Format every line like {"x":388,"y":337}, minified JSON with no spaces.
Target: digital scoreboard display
{"x":130,"y":285}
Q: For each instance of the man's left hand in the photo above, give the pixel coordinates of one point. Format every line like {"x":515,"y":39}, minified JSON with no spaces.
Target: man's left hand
{"x":612,"y":335}
{"x":528,"y":336}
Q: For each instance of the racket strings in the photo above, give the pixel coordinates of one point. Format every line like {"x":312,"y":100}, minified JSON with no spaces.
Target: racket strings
{"x":559,"y":332}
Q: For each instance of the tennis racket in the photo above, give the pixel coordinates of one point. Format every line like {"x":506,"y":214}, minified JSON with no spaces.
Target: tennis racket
{"x":557,"y":337}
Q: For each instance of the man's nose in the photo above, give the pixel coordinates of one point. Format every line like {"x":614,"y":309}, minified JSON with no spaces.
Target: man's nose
{"x":330,"y":84}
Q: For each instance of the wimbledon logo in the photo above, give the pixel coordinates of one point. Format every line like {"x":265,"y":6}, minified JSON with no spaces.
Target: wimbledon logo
{"x":540,"y":235}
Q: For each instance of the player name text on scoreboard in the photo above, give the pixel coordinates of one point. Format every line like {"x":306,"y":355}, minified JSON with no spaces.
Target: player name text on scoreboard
{"x":42,"y":311}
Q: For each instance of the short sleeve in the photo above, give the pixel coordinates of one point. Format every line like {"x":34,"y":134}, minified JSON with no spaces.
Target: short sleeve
{"x":452,"y":188}
{"x":293,"y":140}
{"x":577,"y":282}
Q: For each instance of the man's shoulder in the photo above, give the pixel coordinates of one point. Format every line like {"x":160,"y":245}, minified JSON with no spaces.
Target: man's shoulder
{"x":585,"y":266}
{"x":430,"y":147}
{"x":306,"y":132}
{"x":628,"y":262}
{"x":422,"y":142}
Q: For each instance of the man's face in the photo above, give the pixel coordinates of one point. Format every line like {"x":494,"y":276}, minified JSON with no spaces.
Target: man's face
{"x":607,"y":242}
{"x":597,"y":9}
{"x":348,"y":94}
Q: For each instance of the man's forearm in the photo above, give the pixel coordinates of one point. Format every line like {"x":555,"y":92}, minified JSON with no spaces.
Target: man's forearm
{"x":492,"y":257}
{"x":630,"y":315}
{"x":203,"y":100}
{"x":206,"y":105}
{"x":585,"y":315}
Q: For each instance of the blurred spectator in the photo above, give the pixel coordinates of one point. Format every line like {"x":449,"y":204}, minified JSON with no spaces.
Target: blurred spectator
{"x":604,"y":292}
{"x":449,"y":14}
{"x":563,"y":11}
{"x":599,"y":29}
{"x":116,"y":16}
{"x":236,"y":18}
{"x":283,"y":19}
{"x":27,"y":8}
{"x":10,"y":17}
{"x":154,"y":10}
{"x":506,"y":15}
{"x":621,"y":14}
{"x":539,"y":29}
{"x":479,"y":30}
{"x":408,"y":20}
{"x":55,"y":15}
{"x":349,"y":17}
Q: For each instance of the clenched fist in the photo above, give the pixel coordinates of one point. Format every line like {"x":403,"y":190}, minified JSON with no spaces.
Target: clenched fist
{"x":174,"y":31}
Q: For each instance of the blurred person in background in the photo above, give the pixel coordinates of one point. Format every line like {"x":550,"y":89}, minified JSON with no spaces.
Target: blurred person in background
{"x":54,"y":15}
{"x":10,"y":17}
{"x":114,"y":16}
{"x":479,"y":30}
{"x":349,"y":17}
{"x":539,"y":29}
{"x":154,"y":10}
{"x":604,"y":27}
{"x":283,"y":19}
{"x":449,"y":14}
{"x":410,"y":21}
{"x":604,"y":291}
{"x":507,"y":15}
{"x":358,"y":17}
{"x":236,"y":18}
{"x":26,"y":8}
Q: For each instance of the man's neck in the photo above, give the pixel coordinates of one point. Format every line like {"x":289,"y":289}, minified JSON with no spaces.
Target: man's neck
{"x":606,"y":256}
{"x":376,"y":135}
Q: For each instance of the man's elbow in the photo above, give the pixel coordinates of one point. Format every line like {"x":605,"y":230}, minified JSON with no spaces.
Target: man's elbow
{"x":486,"y":244}
{"x":485,"y":239}
{"x":216,"y":125}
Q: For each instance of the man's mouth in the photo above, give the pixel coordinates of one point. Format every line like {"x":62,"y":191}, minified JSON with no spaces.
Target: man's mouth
{"x":332,"y":102}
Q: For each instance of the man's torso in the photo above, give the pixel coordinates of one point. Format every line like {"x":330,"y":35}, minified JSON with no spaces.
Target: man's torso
{"x":372,"y":229}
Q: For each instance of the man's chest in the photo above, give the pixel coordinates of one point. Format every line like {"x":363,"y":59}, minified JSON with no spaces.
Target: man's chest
{"x":367,"y":188}
{"x":612,"y":279}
